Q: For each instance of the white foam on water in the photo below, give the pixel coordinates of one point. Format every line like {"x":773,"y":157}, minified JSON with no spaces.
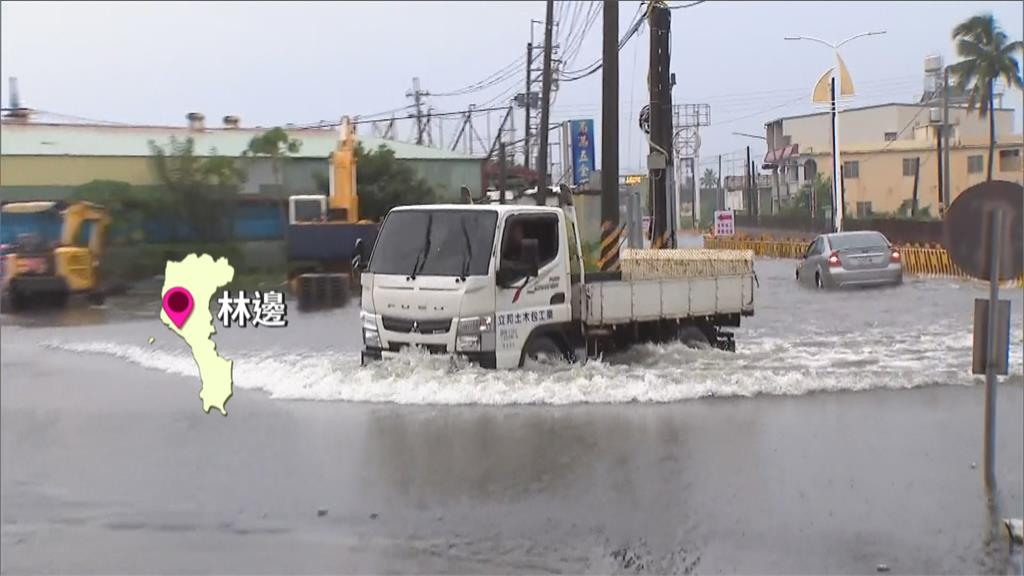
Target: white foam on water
{"x":813,"y":361}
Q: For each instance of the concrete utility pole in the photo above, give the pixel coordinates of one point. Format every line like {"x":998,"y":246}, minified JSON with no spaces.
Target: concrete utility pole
{"x":720,"y":194}
{"x":545,"y":107}
{"x":526,"y":105}
{"x":945,"y":139}
{"x":417,"y":97}
{"x":660,"y":160}
{"x":610,"y":139}
{"x":749,"y":177}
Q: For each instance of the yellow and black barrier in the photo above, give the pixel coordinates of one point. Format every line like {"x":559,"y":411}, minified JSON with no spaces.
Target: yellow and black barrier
{"x":917,"y":260}
{"x":611,"y":241}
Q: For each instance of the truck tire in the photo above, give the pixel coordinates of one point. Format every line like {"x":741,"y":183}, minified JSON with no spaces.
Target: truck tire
{"x":540,"y":347}
{"x":693,"y":337}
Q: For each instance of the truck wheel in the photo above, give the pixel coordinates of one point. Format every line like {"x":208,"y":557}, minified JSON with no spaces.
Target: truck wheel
{"x":693,"y":337}
{"x":97,"y":298}
{"x":541,"y":348}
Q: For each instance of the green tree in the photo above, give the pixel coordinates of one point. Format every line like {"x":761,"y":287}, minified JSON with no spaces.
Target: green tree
{"x":275,"y":144}
{"x":709,"y":180}
{"x":384,"y":182}
{"x":200,"y":191}
{"x":986,"y":55}
{"x":800,"y":204}
{"x":128,"y":206}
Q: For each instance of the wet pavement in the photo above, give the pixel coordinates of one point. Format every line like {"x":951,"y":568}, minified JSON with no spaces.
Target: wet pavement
{"x":845,"y":433}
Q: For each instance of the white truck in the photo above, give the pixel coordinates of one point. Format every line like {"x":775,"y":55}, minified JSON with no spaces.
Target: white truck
{"x":443,"y":278}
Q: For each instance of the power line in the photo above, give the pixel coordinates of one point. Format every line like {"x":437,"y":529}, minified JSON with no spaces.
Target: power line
{"x":572,"y":76}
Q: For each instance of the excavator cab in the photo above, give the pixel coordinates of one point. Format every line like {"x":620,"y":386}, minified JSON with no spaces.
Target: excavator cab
{"x":323,"y":232}
{"x":51,"y":250}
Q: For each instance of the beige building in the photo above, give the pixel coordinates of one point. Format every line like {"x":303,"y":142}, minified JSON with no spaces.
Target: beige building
{"x":882,"y":145}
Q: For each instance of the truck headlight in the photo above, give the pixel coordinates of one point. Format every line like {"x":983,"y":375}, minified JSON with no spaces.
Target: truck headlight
{"x":371,"y":338}
{"x":467,"y":343}
{"x":369,"y":321}
{"x":476,"y":325}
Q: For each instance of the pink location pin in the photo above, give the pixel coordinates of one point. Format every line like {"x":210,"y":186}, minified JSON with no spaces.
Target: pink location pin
{"x":178,"y":305}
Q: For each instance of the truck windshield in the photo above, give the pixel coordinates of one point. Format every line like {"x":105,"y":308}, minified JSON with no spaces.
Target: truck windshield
{"x":435,"y":243}
{"x":44,"y":226}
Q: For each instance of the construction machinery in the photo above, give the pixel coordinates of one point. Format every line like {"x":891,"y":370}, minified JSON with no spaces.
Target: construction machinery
{"x":50,"y":251}
{"x":323,"y":233}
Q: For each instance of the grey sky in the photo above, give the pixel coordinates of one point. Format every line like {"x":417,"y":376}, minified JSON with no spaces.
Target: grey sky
{"x":275,"y":63}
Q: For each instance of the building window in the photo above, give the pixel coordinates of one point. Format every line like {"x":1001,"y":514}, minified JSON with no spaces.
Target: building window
{"x":851,"y":169}
{"x":1009,"y":160}
{"x":792,"y":173}
{"x":975,"y":164}
{"x":863,"y":209}
{"x":890,"y":136}
{"x":910,"y":166}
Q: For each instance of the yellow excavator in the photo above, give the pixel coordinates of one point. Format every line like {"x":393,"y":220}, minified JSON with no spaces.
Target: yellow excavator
{"x":325,"y":233}
{"x":50,"y":251}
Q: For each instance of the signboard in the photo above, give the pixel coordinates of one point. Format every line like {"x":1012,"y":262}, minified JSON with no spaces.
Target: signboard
{"x":582,"y":134}
{"x":967,"y":233}
{"x":633,"y":179}
{"x":725,"y":223}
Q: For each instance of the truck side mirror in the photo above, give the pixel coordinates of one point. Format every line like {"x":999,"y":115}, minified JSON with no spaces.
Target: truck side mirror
{"x":358,"y":256}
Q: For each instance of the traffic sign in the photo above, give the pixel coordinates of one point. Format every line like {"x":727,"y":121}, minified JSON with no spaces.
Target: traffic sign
{"x":967,"y":234}
{"x":725,"y":223}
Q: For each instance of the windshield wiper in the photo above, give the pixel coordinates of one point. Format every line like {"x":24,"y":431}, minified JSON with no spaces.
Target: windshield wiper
{"x":468,"y":256}
{"x":421,"y":258}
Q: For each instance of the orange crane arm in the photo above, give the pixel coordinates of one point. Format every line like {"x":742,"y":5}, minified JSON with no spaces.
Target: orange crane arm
{"x":343,"y":195}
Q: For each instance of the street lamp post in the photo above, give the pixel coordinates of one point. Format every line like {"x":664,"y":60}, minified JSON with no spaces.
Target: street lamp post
{"x":838,"y":195}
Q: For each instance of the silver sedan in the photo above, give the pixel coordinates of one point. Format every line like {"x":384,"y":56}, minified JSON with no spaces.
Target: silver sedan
{"x":850,"y":259}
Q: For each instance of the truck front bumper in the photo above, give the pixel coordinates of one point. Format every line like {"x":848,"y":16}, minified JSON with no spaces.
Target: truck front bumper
{"x":484,"y":359}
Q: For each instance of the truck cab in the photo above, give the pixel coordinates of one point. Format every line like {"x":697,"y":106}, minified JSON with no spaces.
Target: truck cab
{"x":477,"y":280}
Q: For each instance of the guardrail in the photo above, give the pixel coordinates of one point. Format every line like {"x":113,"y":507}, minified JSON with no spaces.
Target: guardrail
{"x":917,"y":260}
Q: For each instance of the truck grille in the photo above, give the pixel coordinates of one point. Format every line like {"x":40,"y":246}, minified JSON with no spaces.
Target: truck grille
{"x":430,"y":348}
{"x":407,"y":325}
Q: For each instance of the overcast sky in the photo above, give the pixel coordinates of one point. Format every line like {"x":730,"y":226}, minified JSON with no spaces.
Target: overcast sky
{"x":276,"y":63}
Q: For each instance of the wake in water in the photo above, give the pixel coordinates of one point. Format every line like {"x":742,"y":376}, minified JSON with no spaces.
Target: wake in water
{"x":815,"y":361}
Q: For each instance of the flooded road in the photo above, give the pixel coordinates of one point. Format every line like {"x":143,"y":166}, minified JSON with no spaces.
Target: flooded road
{"x":842,"y":435}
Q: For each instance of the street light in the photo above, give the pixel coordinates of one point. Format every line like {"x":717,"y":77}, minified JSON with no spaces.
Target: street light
{"x":838,"y":195}
{"x":749,"y":135}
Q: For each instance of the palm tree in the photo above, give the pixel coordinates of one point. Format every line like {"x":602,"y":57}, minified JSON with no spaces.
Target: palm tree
{"x":986,"y":56}
{"x":709,"y":180}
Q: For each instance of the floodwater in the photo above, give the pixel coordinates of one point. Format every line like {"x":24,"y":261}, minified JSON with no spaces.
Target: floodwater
{"x":844,"y":433}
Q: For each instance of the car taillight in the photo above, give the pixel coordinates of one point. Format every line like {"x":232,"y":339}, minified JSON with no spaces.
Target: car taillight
{"x":894,"y":257}
{"x":833,"y":260}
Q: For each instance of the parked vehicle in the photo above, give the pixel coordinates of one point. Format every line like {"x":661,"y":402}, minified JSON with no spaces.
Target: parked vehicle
{"x":503,"y":283}
{"x":50,"y":251}
{"x":850,"y":259}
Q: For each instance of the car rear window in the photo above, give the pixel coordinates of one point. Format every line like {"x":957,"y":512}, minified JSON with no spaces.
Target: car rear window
{"x":858,"y":240}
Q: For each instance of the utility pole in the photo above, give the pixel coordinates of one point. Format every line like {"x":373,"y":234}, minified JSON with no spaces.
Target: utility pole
{"x":545,"y":107}
{"x":837,"y":178}
{"x":660,"y":160}
{"x":720,"y":194}
{"x":526,"y":105}
{"x":749,"y":177}
{"x":939,"y":171}
{"x":417,"y":97}
{"x":501,"y":173}
{"x":945,"y":141}
{"x":610,"y":139}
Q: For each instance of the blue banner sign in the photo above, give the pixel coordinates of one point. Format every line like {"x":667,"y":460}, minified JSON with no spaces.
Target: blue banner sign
{"x":582,"y":134}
